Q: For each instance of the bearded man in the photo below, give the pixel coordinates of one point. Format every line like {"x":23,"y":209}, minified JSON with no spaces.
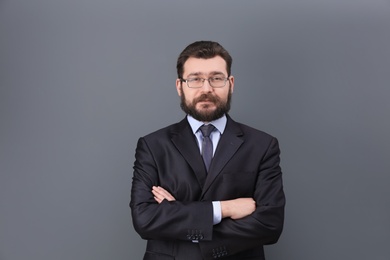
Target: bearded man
{"x":207,"y":187}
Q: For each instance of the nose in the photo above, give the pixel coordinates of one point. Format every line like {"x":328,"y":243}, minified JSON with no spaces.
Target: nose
{"x":206,"y":86}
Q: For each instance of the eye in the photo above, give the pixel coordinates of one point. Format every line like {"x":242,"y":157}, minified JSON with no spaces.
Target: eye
{"x":194,"y":79}
{"x":217,"y":78}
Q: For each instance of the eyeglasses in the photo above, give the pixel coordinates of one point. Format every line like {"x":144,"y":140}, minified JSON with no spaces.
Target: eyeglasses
{"x":215,"y":82}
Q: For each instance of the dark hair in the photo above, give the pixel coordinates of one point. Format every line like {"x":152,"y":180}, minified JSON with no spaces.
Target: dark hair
{"x":204,"y":50}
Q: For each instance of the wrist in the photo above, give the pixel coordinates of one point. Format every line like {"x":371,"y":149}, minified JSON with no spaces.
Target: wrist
{"x":225,"y":209}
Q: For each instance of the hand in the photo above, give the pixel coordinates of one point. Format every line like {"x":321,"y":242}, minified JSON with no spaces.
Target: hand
{"x":161,"y":194}
{"x":238,"y":208}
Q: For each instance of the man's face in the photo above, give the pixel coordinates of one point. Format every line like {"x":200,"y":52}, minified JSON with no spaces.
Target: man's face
{"x":206,"y":103}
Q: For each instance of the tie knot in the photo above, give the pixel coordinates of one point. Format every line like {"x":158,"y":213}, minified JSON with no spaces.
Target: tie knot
{"x":207,"y":129}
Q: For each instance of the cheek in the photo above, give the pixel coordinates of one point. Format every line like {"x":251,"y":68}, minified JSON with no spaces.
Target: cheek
{"x":223,"y":95}
{"x":189,"y":96}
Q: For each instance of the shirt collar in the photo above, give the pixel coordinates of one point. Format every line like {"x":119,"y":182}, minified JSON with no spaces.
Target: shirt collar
{"x":220,"y":123}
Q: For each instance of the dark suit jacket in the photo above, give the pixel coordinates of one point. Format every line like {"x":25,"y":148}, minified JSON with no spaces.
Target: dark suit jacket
{"x":245,"y":164}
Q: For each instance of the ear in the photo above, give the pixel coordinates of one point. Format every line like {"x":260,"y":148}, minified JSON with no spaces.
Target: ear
{"x":231,"y":81}
{"x":178,"y":86}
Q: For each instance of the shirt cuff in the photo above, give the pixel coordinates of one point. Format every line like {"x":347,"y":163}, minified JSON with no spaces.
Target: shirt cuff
{"x":217,"y":212}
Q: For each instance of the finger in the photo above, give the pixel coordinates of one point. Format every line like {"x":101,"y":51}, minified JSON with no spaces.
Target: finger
{"x":157,"y":191}
{"x":164,"y":193}
{"x":160,"y":197}
{"x":157,"y":197}
{"x":161,"y":190}
{"x":158,"y":200}
{"x":161,"y":193}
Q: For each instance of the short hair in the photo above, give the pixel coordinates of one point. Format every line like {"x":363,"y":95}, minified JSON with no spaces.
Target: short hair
{"x":204,"y":50}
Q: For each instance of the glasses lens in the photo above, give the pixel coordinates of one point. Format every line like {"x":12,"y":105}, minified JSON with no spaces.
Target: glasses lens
{"x":217,"y":82}
{"x":195,"y":82}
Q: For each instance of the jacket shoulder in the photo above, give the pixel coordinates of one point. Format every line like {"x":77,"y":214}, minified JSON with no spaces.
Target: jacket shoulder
{"x":248,"y":131}
{"x":251,"y":130}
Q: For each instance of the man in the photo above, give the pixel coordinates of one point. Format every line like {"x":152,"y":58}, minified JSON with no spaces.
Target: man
{"x":190,"y":208}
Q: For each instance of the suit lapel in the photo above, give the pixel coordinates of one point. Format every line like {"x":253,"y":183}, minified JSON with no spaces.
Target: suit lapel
{"x":185,"y":142}
{"x":229,"y":143}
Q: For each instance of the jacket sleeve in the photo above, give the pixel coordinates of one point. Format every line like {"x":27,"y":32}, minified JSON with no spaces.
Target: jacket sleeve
{"x":175,"y":220}
{"x":264,"y":226}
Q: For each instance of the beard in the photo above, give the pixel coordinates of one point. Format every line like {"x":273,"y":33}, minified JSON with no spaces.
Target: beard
{"x":206,"y":115}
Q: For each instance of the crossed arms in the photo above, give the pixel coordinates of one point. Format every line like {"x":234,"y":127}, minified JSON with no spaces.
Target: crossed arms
{"x":234,"y":209}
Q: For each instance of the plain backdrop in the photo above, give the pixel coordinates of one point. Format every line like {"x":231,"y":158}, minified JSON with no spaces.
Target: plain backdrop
{"x":82,"y":80}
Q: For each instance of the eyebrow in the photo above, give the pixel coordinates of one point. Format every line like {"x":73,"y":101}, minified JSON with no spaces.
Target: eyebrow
{"x":213,"y":73}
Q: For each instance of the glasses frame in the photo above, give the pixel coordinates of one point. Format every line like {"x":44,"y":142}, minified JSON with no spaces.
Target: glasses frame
{"x":203,"y":80}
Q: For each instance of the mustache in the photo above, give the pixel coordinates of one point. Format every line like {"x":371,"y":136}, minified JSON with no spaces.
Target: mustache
{"x":206,"y":97}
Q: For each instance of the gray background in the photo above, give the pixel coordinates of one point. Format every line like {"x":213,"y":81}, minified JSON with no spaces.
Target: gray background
{"x":81,"y":80}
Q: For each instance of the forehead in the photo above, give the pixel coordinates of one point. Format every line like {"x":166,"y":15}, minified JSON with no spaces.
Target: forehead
{"x":204,"y":66}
